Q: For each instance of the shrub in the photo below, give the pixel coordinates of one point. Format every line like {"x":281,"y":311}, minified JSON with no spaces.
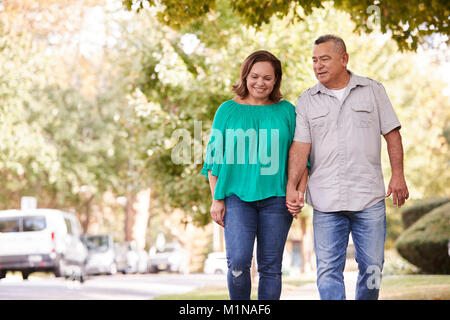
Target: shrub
{"x":394,"y":264}
{"x":415,"y":211}
{"x":425,"y":243}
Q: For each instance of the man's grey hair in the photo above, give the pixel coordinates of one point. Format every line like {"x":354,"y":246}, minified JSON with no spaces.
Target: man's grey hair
{"x":339,"y":44}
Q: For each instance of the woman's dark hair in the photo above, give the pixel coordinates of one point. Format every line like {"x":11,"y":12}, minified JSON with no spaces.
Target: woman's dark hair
{"x":240,"y":88}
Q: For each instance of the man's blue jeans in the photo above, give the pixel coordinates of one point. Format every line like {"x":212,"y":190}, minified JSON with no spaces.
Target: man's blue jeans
{"x":269,"y":221}
{"x":331,"y":232}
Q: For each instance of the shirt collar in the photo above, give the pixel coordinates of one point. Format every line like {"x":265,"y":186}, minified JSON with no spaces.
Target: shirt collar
{"x":355,"y":81}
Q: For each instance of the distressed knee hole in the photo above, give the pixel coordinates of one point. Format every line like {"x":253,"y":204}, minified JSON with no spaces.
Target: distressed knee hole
{"x":236,"y":273}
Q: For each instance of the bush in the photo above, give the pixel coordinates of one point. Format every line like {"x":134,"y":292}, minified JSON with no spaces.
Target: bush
{"x":394,"y":264}
{"x":415,"y":211}
{"x":425,"y":243}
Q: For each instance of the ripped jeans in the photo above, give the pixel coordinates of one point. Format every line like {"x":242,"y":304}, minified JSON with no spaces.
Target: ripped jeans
{"x":268,"y":221}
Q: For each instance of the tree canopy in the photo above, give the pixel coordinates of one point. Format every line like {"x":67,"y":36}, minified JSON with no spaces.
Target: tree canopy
{"x":408,"y":22}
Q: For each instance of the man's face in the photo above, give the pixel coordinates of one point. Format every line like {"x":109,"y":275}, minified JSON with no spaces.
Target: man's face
{"x":329,"y":63}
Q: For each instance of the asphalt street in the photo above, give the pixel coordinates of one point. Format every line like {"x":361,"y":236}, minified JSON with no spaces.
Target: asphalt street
{"x":124,"y":287}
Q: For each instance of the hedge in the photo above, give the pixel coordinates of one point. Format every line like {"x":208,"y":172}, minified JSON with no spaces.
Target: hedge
{"x":425,"y":243}
{"x":415,"y":211}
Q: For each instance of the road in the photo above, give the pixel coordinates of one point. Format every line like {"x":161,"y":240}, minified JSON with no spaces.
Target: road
{"x":124,"y":287}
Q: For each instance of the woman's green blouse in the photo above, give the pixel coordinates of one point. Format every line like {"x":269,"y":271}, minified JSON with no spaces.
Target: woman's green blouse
{"x":248,"y":149}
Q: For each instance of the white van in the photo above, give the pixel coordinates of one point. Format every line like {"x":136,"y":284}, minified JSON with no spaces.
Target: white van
{"x":41,"y":240}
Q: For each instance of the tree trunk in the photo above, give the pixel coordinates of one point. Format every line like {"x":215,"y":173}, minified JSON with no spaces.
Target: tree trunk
{"x":136,"y":217}
{"x":87,"y":214}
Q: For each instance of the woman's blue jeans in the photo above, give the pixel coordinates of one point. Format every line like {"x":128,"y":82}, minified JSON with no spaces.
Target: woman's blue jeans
{"x":268,"y":221}
{"x":331,"y":234}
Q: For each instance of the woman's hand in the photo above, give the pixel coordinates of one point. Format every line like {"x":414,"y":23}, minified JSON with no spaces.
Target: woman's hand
{"x":294,"y":201}
{"x":218,"y":211}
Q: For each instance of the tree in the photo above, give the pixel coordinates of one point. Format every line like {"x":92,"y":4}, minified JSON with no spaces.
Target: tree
{"x":409,"y":22}
{"x":58,"y":137}
{"x":24,"y":151}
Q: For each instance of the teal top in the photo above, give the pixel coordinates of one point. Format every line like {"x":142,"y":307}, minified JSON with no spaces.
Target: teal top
{"x":248,"y":149}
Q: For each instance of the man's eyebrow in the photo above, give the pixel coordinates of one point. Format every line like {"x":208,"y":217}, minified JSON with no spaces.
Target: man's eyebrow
{"x":322,"y":56}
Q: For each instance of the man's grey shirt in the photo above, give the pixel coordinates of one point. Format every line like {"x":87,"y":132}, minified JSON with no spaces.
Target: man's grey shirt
{"x":345,"y":137}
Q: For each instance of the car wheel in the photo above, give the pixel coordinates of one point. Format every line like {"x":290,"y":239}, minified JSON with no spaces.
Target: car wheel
{"x":59,"y":269}
{"x":83,"y":274}
{"x":2,"y":274}
{"x":25,"y":275}
{"x":82,"y":277}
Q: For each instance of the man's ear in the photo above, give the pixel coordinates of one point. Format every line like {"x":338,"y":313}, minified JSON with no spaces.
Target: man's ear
{"x":344,"y":59}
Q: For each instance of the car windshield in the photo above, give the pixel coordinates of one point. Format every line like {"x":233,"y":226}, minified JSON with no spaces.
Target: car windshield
{"x":98,"y":243}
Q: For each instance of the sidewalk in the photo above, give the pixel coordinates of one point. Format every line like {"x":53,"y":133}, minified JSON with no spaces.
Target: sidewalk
{"x":309,"y":291}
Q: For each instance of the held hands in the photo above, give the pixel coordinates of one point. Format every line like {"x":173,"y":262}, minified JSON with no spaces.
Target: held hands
{"x":218,"y":211}
{"x":294,"y":201}
{"x":397,"y":187}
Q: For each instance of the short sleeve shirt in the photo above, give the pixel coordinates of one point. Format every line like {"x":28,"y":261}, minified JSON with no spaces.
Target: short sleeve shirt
{"x":345,"y":137}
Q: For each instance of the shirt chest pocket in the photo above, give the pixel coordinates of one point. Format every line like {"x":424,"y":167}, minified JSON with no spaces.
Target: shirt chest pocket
{"x":362,"y":115}
{"x":318,"y":117}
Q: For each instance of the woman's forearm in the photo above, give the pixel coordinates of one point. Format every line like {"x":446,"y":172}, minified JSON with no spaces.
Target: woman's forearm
{"x":212,"y":183}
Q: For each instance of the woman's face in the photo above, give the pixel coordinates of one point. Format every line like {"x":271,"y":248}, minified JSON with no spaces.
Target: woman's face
{"x":260,"y":80}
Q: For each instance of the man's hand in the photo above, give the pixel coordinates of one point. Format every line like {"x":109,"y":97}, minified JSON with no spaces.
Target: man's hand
{"x":397,"y":187}
{"x":294,"y":201}
{"x":218,"y":211}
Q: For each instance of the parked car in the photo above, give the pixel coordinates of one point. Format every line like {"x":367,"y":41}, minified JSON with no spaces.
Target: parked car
{"x":216,"y":263}
{"x":143,"y":261}
{"x":41,"y":240}
{"x":172,"y":257}
{"x":121,"y":257}
{"x":132,"y":257}
{"x":102,"y":256}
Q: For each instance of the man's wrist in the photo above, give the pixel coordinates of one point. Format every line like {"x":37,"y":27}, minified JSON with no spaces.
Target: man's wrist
{"x":398,"y":174}
{"x":291,"y":186}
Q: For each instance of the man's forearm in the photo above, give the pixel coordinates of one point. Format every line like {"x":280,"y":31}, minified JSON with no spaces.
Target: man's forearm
{"x":303,"y":181}
{"x":395,"y":151}
{"x":298,"y":159}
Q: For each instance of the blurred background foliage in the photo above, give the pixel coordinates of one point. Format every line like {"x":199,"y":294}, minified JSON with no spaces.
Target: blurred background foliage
{"x":408,"y":22}
{"x":91,"y":94}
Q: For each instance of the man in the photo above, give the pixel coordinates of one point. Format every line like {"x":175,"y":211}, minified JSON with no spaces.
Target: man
{"x":339,"y":123}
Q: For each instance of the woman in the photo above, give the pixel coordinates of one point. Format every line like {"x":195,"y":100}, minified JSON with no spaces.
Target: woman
{"x":246,"y":164}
